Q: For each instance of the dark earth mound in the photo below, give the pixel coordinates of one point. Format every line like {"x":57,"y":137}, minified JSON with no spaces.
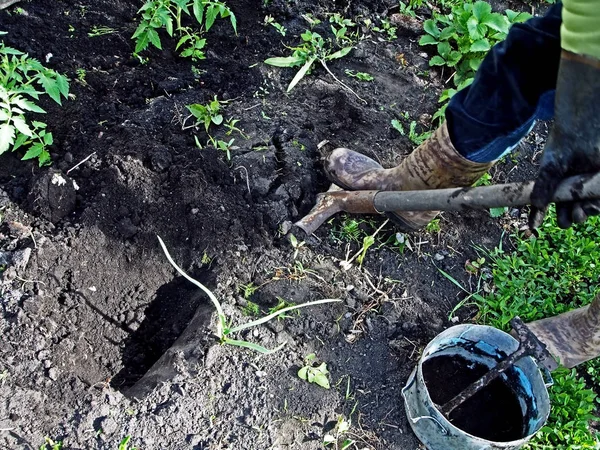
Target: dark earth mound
{"x":89,"y":302}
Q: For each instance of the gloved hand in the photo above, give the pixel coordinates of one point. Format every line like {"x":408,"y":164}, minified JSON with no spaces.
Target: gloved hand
{"x":573,"y":146}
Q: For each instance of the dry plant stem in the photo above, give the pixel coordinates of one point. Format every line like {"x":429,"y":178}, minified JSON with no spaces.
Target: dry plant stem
{"x":247,"y":178}
{"x":80,"y":162}
{"x":340,"y":82}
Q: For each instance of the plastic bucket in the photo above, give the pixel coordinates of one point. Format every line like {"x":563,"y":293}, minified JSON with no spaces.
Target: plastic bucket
{"x":480,"y":346}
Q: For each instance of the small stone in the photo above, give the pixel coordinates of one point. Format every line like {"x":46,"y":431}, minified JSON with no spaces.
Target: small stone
{"x":195,"y":210}
{"x":53,"y":373}
{"x":438,"y":257}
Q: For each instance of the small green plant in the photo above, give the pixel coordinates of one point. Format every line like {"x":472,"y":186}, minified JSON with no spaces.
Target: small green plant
{"x":20,"y":78}
{"x":224,"y":328}
{"x":251,"y":309}
{"x":81,"y":75}
{"x":337,"y":438}
{"x":169,"y":14}
{"x":313,"y":48}
{"x":296,"y":245}
{"x":96,"y":31}
{"x":362,"y":76}
{"x":124,"y":444}
{"x":312,"y":374}
{"x":387,"y":28}
{"x":269,"y":20}
{"x":248,"y":290}
{"x":205,"y":114}
{"x":51,"y":445}
{"x":434,"y":226}
{"x":463,"y":37}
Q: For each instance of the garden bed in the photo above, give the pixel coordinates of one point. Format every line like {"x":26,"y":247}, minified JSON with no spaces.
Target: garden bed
{"x":89,"y":300}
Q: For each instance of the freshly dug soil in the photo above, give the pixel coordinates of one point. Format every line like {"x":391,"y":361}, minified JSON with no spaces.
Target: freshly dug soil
{"x":89,"y":303}
{"x":493,"y":413}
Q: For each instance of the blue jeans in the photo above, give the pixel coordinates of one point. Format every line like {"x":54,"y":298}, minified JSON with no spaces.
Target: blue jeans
{"x":513,"y":87}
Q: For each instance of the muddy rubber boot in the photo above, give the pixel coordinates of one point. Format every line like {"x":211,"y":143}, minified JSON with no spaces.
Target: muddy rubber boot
{"x":435,"y":164}
{"x":572,"y":337}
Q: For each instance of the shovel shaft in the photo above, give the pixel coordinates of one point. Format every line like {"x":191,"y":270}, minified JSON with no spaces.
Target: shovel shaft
{"x":459,"y":199}
{"x":580,"y":187}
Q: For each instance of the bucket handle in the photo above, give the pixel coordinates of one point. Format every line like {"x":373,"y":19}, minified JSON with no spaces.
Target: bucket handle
{"x":416,"y":419}
{"x":546,"y":375}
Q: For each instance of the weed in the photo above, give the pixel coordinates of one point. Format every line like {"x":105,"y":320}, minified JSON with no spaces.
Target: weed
{"x":281,"y":304}
{"x":387,"y":28}
{"x":316,"y":375}
{"x":313,"y":48}
{"x":337,"y":439}
{"x":547,"y":275}
{"x":296,"y":245}
{"x":96,"y":31}
{"x":51,"y":445}
{"x":124,"y":444}
{"x":397,"y":125}
{"x":251,"y":309}
{"x":463,"y":37}
{"x":269,"y":20}
{"x":206,"y":114}
{"x":433,"y":227}
{"x":81,"y":74}
{"x":362,"y":76}
{"x":224,"y":329}
{"x":168,"y":15}
{"x":19,"y":75}
{"x":248,"y":290}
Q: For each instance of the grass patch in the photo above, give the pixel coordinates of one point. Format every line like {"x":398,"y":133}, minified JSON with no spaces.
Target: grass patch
{"x":545,"y":276}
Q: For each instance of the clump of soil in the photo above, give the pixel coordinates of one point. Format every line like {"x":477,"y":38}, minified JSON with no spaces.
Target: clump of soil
{"x":493,"y":413}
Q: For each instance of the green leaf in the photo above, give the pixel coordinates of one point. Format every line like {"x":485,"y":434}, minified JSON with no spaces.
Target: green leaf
{"x":437,"y":61}
{"x":63,"y":85}
{"x":281,"y":311}
{"x":233,"y":21}
{"x":482,"y":45}
{"x":481,"y":9}
{"x":19,"y":141}
{"x":398,"y":126}
{"x":27,"y":105}
{"x":303,"y":70}
{"x":217,"y":120}
{"x":474,"y":63}
{"x":303,"y":373}
{"x":288,"y":61}
{"x":498,"y":212}
{"x":427,"y":39}
{"x":7,"y":137}
{"x":496,"y":22}
{"x":198,"y":9}
{"x":476,"y":31}
{"x":34,"y":151}
{"x":154,"y":38}
{"x":21,"y":126}
{"x":431,"y":28}
{"x":339,"y":54}
{"x":142,"y":42}
{"x":447,"y":33}
{"x":211,"y":14}
{"x":517,"y":17}
{"x":50,"y":86}
{"x":444,"y":49}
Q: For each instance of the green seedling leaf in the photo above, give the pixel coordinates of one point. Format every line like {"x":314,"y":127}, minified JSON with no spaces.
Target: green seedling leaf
{"x":339,"y":54}
{"x":481,"y":9}
{"x":398,"y":126}
{"x":437,"y":60}
{"x":281,"y":311}
{"x":303,"y":70}
{"x":21,"y":126}
{"x":482,"y":45}
{"x":498,"y":212}
{"x":288,"y":61}
{"x":497,"y":22}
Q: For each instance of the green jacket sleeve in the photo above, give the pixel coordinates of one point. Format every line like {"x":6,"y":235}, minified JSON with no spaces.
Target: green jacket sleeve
{"x":580,"y":32}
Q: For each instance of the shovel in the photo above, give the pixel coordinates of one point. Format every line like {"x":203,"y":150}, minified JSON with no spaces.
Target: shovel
{"x":581,"y":187}
{"x":570,"y":338}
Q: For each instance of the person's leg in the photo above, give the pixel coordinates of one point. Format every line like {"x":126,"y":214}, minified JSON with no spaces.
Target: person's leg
{"x":513,"y":87}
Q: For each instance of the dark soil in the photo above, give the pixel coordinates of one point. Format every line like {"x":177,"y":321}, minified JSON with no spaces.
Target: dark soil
{"x":493,"y":413}
{"x":89,"y":302}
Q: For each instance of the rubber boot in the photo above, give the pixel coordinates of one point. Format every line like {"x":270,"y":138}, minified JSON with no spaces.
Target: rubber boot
{"x":435,"y":164}
{"x":572,"y":337}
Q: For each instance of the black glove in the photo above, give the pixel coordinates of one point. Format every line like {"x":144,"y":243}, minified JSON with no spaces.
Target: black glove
{"x":573,"y":147}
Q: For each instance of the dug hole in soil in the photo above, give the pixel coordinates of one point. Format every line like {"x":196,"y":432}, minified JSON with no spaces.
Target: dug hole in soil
{"x":90,"y":303}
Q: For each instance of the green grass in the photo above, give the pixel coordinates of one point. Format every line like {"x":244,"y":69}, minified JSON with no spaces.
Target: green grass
{"x":545,"y":276}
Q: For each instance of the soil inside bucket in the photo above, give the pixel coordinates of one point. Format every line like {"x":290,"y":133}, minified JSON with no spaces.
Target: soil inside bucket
{"x":493,"y":413}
